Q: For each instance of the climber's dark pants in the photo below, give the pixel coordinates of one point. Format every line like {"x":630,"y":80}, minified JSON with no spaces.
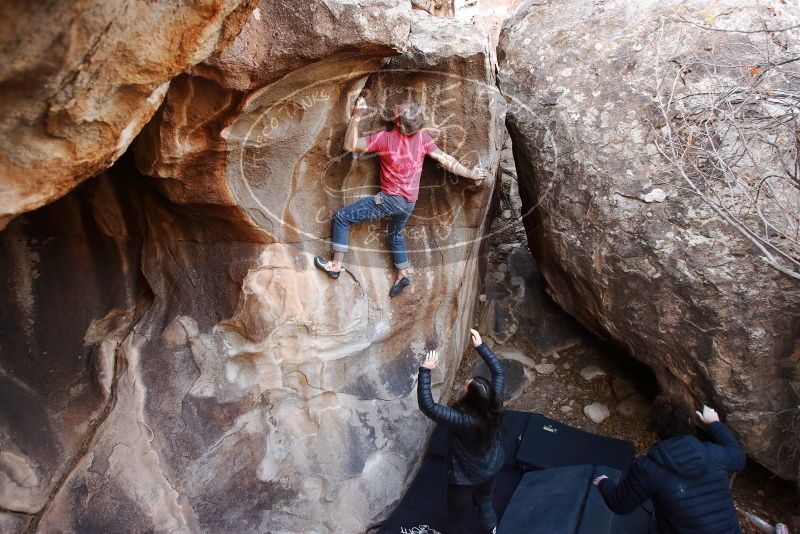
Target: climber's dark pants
{"x":464,"y":501}
{"x":394,"y":207}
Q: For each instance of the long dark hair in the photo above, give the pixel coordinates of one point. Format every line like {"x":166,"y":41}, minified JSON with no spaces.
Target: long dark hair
{"x":482,"y":402}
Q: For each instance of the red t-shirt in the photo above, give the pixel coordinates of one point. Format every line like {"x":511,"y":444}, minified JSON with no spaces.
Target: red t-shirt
{"x":401,"y":160}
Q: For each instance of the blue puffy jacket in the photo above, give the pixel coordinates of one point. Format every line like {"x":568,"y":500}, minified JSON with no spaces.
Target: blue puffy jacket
{"x":688,"y":482}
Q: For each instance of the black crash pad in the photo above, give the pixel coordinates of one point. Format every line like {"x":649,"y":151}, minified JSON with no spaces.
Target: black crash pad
{"x":598,"y":519}
{"x":564,"y":500}
{"x":547,"y":443}
{"x":423,"y":509}
{"x":425,"y":502}
{"x":550,"y":500}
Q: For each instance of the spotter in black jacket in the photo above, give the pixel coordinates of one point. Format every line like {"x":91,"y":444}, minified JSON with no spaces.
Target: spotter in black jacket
{"x":467,"y":463}
{"x":688,"y":482}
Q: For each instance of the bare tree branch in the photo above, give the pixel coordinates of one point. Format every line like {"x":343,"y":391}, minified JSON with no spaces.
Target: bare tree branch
{"x":730,"y":115}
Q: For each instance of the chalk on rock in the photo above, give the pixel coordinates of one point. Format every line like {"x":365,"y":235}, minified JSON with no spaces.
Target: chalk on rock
{"x":590,"y":372}
{"x":656,"y":195}
{"x":596,"y":412}
{"x":545,"y":368}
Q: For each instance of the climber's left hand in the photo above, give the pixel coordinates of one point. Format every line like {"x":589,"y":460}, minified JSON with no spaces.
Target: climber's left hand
{"x":479,"y":174}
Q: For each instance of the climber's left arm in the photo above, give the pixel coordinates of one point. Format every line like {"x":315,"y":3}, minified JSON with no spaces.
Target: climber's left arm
{"x":451,"y":164}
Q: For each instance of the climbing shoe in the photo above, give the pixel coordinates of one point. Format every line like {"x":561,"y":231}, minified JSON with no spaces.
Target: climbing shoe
{"x":399,"y":286}
{"x":327,"y":266}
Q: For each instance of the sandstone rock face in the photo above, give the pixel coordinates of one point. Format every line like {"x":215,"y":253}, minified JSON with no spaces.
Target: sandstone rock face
{"x":68,"y":303}
{"x":79,"y":80}
{"x":280,"y":97}
{"x":487,"y":15}
{"x":281,"y":37}
{"x":442,"y":8}
{"x":216,"y":381}
{"x":657,"y":271}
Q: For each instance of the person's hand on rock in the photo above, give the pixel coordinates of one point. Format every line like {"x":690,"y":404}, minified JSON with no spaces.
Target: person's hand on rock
{"x":479,"y":174}
{"x":476,"y":338}
{"x":361,"y":107}
{"x":431,"y":360}
{"x":709,"y":415}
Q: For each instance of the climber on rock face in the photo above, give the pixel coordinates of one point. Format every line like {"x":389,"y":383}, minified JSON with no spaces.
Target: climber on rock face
{"x":475,"y":453}
{"x":401,"y":152}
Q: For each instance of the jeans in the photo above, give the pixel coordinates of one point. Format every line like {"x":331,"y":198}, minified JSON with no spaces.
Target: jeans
{"x":463,"y":501}
{"x":395,"y":207}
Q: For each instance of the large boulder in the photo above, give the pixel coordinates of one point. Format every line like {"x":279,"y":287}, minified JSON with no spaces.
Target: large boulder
{"x":214,"y":380}
{"x":78,"y":80}
{"x":610,"y":104}
{"x":487,"y":15}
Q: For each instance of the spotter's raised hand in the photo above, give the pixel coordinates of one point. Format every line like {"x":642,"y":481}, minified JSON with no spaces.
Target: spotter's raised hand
{"x":431,"y":360}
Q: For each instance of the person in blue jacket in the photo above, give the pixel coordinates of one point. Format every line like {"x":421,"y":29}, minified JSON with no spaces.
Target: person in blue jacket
{"x":688,"y":480}
{"x":475,"y":453}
